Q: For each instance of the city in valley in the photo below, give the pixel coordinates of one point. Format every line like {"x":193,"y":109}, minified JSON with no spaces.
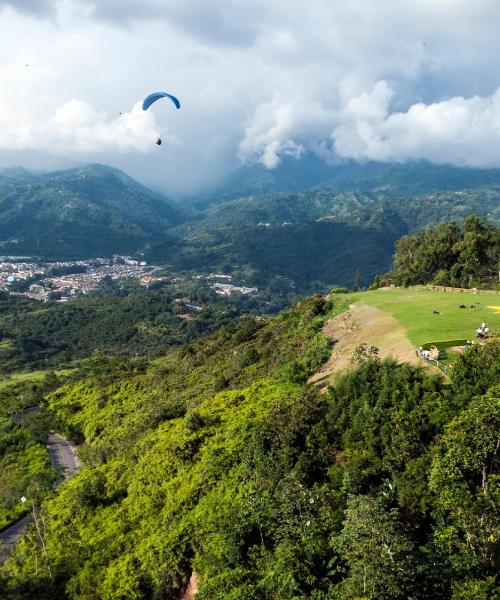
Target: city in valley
{"x":63,"y":280}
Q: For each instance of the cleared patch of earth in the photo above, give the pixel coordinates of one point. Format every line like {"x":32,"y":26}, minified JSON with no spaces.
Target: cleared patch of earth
{"x":363,"y":324}
{"x":192,"y":588}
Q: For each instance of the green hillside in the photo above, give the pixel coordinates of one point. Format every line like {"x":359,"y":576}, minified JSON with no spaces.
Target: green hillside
{"x":294,"y":241}
{"x":291,"y":175}
{"x":91,"y":211}
{"x":138,"y":322}
{"x":307,"y":256}
{"x":316,"y":239}
{"x":220,"y":460}
{"x":394,"y":181}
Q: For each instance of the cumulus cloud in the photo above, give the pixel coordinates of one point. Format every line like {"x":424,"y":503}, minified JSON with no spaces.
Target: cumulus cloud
{"x":257,"y":80}
{"x":282,"y":128}
{"x":77,"y":127}
{"x":459,"y":131}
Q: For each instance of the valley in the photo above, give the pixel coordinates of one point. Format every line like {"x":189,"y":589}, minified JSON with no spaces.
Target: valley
{"x":235,"y":432}
{"x":294,"y":240}
{"x":249,"y":300}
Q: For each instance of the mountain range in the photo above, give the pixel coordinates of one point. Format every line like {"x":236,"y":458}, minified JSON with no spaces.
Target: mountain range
{"x":305,"y":225}
{"x":392,"y":180}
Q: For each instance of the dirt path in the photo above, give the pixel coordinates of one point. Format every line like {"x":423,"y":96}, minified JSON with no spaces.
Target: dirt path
{"x":363,"y":324}
{"x":192,"y":588}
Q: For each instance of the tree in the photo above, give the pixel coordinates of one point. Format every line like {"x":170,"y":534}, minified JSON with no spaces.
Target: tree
{"x":465,"y":476}
{"x":376,"y":551}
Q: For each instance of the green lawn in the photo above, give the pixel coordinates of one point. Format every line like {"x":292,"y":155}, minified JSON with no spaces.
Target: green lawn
{"x":413,"y":308}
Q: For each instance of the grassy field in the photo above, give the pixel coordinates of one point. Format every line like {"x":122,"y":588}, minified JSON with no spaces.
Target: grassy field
{"x":31,"y":376}
{"x":414,"y":309}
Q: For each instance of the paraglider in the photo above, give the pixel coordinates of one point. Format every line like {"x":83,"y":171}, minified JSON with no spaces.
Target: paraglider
{"x":152,"y":98}
{"x":156,"y":96}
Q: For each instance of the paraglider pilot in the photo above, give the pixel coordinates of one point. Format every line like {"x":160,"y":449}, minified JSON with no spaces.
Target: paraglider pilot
{"x":152,"y":98}
{"x":482,"y":332}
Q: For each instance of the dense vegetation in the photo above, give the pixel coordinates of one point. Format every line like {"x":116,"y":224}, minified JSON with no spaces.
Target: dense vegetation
{"x":395,"y":181}
{"x":222,"y":460}
{"x":92,"y":211}
{"x":313,"y":239}
{"x":25,"y":467}
{"x":309,"y":254}
{"x":270,"y":227}
{"x":115,"y":321}
{"x":466,"y":256}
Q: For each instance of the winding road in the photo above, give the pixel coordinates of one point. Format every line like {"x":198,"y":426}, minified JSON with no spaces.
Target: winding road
{"x":63,"y":455}
{"x":65,"y":460}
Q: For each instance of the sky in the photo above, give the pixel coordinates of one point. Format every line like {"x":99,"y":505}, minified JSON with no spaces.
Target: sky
{"x":257,"y":80}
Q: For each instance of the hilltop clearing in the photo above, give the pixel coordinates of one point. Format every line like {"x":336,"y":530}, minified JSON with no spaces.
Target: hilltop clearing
{"x":221,"y":460}
{"x":398,"y":320}
{"x":363,"y":324}
{"x":415,"y":310}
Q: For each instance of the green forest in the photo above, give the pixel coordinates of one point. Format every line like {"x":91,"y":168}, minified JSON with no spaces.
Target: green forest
{"x":221,"y":460}
{"x":448,"y":254}
{"x":207,"y":453}
{"x":114,"y":321}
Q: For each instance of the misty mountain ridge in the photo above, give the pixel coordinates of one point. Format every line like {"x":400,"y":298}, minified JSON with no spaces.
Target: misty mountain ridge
{"x":381,"y":179}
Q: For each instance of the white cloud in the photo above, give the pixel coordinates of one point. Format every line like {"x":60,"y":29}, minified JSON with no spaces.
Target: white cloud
{"x":256,"y":80}
{"x":459,"y":131}
{"x":283,"y":127}
{"x":77,"y":127}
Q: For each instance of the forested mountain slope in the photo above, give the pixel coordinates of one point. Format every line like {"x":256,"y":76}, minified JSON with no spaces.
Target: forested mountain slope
{"x":306,"y":255}
{"x":316,"y":239}
{"x":293,"y":240}
{"x":222,"y":460}
{"x":91,"y":211}
{"x":390,"y":180}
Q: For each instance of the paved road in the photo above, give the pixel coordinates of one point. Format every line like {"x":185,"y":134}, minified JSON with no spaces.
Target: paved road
{"x":63,"y":455}
{"x":64,"y":458}
{"x":10,"y":537}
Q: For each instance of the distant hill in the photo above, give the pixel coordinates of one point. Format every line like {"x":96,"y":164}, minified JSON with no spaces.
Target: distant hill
{"x":306,"y":239}
{"x":316,"y":238}
{"x":291,"y":175}
{"x":279,"y":245}
{"x":378,"y":179}
{"x":88,"y":211}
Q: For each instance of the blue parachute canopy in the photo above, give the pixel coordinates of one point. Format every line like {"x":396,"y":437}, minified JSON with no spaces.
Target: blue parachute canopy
{"x":156,"y":96}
